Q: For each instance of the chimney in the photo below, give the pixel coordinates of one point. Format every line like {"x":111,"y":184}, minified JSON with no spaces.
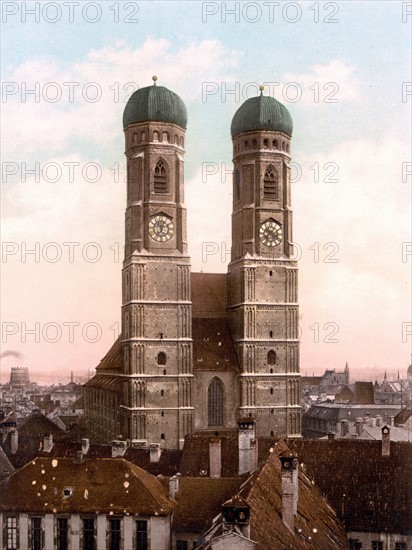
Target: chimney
{"x":290,"y":476}
{"x":344,"y":427}
{"x":85,"y":445}
{"x":14,"y":441}
{"x":118,"y":448}
{"x":246,"y":436}
{"x":253,"y":455}
{"x":215,"y":458}
{"x":47,"y":443}
{"x":174,"y":486}
{"x":378,"y":421}
{"x":372,"y":422}
{"x":78,"y":458}
{"x":331,"y":435}
{"x":359,"y":425}
{"x":155,"y":452}
{"x":386,"y":441}
{"x":392,"y":420}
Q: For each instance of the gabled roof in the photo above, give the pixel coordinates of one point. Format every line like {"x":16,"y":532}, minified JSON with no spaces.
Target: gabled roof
{"x":108,"y":486}
{"x":112,"y":361}
{"x":213,"y":347}
{"x":316,"y":523}
{"x":106,"y":382}
{"x":200,"y":500}
{"x":30,"y":438}
{"x":377,"y":489}
{"x":209,"y":295}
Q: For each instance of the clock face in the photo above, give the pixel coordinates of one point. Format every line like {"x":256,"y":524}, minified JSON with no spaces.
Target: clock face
{"x":270,"y":233}
{"x":160,"y":228}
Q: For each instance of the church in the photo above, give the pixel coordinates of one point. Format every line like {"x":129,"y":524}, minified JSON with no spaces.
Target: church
{"x":202,"y":351}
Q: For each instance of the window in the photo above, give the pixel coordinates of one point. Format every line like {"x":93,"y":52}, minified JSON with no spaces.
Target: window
{"x":254,"y":143}
{"x":62,"y":533}
{"x":114,"y":534}
{"x":141,"y":535}
{"x":270,"y":183}
{"x":160,"y":178}
{"x":265,"y":144}
{"x":215,"y":403}
{"x":237,"y":185}
{"x":181,"y":545}
{"x":36,"y":534}
{"x":275,"y":143}
{"x":161,"y":358}
{"x":11,"y":533}
{"x":88,"y":534}
{"x":377,"y":545}
{"x":400,"y":546}
{"x":271,"y":357}
{"x":246,"y":144}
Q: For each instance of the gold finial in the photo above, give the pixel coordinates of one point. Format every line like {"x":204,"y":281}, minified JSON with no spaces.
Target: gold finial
{"x":261,"y":88}
{"x":154,"y":78}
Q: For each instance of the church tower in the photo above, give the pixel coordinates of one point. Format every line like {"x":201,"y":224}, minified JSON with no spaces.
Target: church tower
{"x":156,"y":392}
{"x":262,"y":275}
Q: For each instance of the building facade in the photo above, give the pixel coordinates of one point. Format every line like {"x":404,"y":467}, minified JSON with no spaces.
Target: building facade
{"x":199,"y":351}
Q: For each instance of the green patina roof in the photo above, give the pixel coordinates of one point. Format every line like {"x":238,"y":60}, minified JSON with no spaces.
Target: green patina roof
{"x":262,"y":113}
{"x":155,"y":103}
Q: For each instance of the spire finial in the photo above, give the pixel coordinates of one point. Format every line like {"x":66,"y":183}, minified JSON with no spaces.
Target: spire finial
{"x":154,"y":78}
{"x":261,"y":88}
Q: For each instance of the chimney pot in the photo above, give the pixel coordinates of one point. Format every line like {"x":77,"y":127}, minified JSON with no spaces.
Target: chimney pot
{"x":246,"y":451}
{"x":359,"y":425}
{"x":174,"y":486}
{"x":14,"y":441}
{"x":378,"y":421}
{"x":155,"y":452}
{"x":47,"y":443}
{"x":78,"y":459}
{"x":85,"y":445}
{"x":331,"y":435}
{"x":344,"y":427}
{"x":386,"y":441}
{"x":290,"y":485}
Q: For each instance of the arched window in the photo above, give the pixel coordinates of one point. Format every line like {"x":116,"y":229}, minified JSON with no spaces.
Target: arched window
{"x":162,"y":392}
{"x":254,"y":143}
{"x":283,"y":146}
{"x":246,"y":144}
{"x":270,"y":183}
{"x":135,"y":137}
{"x":161,"y":358}
{"x":271,"y":334}
{"x":271,"y":391}
{"x":155,"y":135}
{"x":275,"y":143}
{"x":237,"y":185}
{"x":160,"y":178}
{"x":271,"y":357}
{"x":215,"y":403}
{"x":165,"y":137}
{"x":265,"y":143}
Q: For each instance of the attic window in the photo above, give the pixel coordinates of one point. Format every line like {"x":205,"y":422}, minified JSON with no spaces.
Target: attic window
{"x":67,"y":492}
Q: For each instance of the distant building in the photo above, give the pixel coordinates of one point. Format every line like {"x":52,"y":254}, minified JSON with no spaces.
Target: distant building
{"x":19,"y":377}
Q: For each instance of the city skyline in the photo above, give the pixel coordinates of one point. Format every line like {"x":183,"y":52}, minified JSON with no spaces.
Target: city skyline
{"x":350,"y":150}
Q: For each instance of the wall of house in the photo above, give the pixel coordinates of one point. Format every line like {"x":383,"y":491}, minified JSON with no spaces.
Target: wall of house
{"x":388,"y":539}
{"x":159,"y":531}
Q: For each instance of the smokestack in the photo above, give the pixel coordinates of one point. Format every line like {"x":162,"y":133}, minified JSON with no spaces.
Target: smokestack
{"x":174,"y":486}
{"x":378,"y":421}
{"x":344,"y":427}
{"x":85,"y":445}
{"x":290,"y":476}
{"x":215,"y":458}
{"x":246,"y":448}
{"x":14,"y":441}
{"x":155,"y":452}
{"x":47,"y":443}
{"x":386,"y":441}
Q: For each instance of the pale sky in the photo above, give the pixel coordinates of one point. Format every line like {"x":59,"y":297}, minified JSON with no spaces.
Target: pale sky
{"x":343,"y":71}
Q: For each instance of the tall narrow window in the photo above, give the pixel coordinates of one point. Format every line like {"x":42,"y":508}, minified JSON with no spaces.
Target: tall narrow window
{"x":36,"y":534}
{"x":160,"y":178}
{"x":11,"y":533}
{"x":215,"y":399}
{"x":114,"y":534}
{"x":62,"y":533}
{"x":271,"y":357}
{"x":161,"y":358}
{"x":88,"y":534}
{"x":141,"y":535}
{"x":270,"y":183}
{"x":237,"y":185}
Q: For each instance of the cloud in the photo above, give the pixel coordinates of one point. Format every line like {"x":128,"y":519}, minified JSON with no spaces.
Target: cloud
{"x":333,"y":82}
{"x":92,"y":93}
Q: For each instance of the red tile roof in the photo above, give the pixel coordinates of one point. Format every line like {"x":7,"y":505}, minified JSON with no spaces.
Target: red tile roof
{"x":108,"y":486}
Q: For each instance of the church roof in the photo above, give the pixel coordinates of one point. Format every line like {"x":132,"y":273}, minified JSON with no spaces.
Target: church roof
{"x":113,"y":358}
{"x":157,"y":104}
{"x":213,"y":347}
{"x":262,"y":113}
{"x":209,"y":295}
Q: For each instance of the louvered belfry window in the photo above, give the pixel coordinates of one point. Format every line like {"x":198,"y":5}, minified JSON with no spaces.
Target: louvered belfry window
{"x":270,"y":183}
{"x":161,"y":185}
{"x":215,"y":403}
